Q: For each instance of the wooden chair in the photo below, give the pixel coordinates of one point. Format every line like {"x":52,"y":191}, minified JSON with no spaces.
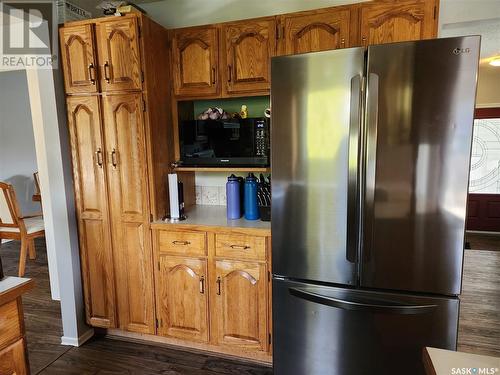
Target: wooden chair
{"x":17,"y":227}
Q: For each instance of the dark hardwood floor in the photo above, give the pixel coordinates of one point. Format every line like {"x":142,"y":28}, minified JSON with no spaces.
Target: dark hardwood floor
{"x":480,"y":241}
{"x":479,"y":329}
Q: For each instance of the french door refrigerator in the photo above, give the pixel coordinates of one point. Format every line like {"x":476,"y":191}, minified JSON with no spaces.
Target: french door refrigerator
{"x":370,"y":165}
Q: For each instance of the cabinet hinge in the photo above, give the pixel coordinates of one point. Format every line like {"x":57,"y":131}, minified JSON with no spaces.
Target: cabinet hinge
{"x":270,"y":340}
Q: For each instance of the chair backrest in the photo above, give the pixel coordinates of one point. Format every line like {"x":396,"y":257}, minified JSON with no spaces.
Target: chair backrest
{"x":36,"y":177}
{"x":9,"y":208}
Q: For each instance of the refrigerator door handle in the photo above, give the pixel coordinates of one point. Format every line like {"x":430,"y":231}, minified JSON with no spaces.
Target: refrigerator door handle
{"x":352,"y":192}
{"x":374,"y":307}
{"x":370,"y":162}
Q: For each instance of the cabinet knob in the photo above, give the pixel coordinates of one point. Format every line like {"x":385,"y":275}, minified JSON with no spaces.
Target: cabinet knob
{"x":229,"y":72}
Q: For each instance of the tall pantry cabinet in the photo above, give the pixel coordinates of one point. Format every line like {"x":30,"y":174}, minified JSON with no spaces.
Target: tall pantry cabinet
{"x":117,"y":87}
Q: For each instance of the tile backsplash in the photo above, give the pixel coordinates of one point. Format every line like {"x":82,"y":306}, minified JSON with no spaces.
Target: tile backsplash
{"x":211,"y":195}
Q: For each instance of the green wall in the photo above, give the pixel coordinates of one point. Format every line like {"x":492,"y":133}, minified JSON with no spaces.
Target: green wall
{"x":255,"y":105}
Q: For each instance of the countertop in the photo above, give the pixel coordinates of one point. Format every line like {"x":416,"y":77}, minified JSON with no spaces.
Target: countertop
{"x":443,"y":362}
{"x":13,"y":287}
{"x":215,"y":216}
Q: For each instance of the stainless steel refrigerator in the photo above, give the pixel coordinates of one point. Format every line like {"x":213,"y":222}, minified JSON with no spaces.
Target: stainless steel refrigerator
{"x":370,"y":166}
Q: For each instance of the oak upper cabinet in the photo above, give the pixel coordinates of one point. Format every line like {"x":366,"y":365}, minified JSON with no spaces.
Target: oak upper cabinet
{"x":182,"y":298}
{"x":119,"y":54}
{"x":195,"y":61}
{"x":315,"y":31}
{"x":129,"y":207}
{"x":78,"y":59}
{"x":397,"y":21}
{"x":247,"y":48}
{"x":239,"y":311}
{"x":87,"y":151}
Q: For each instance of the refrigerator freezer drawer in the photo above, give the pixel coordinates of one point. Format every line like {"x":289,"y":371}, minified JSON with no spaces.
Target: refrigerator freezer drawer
{"x":322,"y":330}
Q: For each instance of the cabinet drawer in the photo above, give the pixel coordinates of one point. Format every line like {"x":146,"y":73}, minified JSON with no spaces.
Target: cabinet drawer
{"x":13,"y":359}
{"x":186,"y":243}
{"x":10,"y":326}
{"x":240,"y":246}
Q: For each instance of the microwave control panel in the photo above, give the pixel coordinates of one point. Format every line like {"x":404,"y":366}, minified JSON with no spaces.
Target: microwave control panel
{"x":261,"y":138}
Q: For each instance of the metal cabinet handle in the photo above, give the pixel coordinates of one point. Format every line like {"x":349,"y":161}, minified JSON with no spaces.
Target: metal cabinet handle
{"x":218,"y":285}
{"x":184,"y":243}
{"x":92,"y":73}
{"x":98,"y":157}
{"x":114,"y":163}
{"x":243,"y":247}
{"x":229,"y":73}
{"x":202,"y":284}
{"x":106,"y":72}
{"x":214,"y":79}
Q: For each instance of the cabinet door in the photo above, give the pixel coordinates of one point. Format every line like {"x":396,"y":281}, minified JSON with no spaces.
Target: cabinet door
{"x":87,"y":151}
{"x":13,"y":359}
{"x":182,"y":298}
{"x":397,"y":22}
{"x":195,"y":56}
{"x":248,"y":48}
{"x":119,"y":55}
{"x":78,"y":59}
{"x":313,"y":32}
{"x":239,"y":309}
{"x":128,"y":197}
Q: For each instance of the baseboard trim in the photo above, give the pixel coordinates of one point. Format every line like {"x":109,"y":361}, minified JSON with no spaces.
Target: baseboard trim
{"x":82,"y":339}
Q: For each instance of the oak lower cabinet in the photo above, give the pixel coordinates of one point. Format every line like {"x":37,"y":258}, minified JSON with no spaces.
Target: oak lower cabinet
{"x":118,"y":151}
{"x":217,"y":298}
{"x":91,"y":197}
{"x":239,"y":308}
{"x":182,"y":298}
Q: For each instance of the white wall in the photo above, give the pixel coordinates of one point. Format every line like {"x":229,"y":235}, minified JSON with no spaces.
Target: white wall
{"x":477,"y":17}
{"x":17,"y":144}
{"x":181,"y":13}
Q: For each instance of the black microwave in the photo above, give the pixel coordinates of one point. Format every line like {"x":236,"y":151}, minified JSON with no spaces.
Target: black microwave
{"x":216,"y":143}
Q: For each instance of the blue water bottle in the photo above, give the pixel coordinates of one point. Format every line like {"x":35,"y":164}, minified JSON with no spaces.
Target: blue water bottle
{"x":251,"y":209}
{"x":233,"y":198}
